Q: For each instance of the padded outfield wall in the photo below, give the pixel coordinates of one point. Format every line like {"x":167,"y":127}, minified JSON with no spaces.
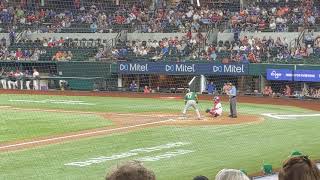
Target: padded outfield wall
{"x":153,"y":74}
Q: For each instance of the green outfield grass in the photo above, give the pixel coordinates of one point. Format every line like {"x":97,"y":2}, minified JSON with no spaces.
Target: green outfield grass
{"x":211,"y":148}
{"x":19,"y":125}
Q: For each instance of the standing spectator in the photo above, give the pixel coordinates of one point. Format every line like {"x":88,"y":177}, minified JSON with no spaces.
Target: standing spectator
{"x":12,"y":80}
{"x":211,"y":88}
{"x":36,"y":79}
{"x":3,"y":78}
{"x":27,"y":78}
{"x":19,"y":81}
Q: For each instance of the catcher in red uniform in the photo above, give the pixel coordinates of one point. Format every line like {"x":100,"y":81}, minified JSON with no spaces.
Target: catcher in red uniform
{"x":216,"y":110}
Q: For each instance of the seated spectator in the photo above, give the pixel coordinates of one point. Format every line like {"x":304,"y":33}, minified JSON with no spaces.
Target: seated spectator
{"x":58,"y":56}
{"x":146,"y":90}
{"x":93,"y":27}
{"x":133,"y":86}
{"x":19,"y":54}
{"x":270,"y":91}
{"x":231,"y":174}
{"x":299,"y":168}
{"x":69,"y":56}
{"x":63,"y":56}
{"x":305,"y":91}
{"x":60,"y":42}
{"x":131,"y":171}
{"x":51,"y":42}
{"x":115,"y":54}
{"x":287,"y":91}
{"x":265,"y":91}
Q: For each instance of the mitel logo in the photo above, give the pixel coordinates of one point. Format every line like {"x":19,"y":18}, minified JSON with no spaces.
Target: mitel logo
{"x":228,"y":69}
{"x":217,"y":68}
{"x":134,"y":67}
{"x":124,"y":67}
{"x":275,"y":74}
{"x":181,"y":68}
{"x":169,"y":68}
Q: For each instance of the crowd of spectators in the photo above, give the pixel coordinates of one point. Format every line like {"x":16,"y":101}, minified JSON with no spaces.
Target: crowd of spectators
{"x":246,"y":50}
{"x":20,"y":55}
{"x":296,"y":167}
{"x":255,"y":49}
{"x":168,"y":48}
{"x":32,"y":50}
{"x":164,"y":17}
{"x":312,"y":92}
{"x":306,"y":92}
{"x":193,"y":46}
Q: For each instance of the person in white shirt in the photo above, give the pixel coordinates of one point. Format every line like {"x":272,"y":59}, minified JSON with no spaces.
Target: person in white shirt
{"x":27,"y":78}
{"x":19,"y":81}
{"x":3,"y":77}
{"x":12,"y":79}
{"x":36,"y":77}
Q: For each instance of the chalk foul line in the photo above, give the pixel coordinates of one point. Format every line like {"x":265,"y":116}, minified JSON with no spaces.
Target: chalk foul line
{"x":51,"y":101}
{"x":81,"y":134}
{"x":288,"y":116}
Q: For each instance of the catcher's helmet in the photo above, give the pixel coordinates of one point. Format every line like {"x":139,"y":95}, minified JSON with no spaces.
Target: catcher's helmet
{"x":216,"y":99}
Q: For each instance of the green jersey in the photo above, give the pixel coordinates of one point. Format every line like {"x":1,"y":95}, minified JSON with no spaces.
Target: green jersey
{"x":191,"y":96}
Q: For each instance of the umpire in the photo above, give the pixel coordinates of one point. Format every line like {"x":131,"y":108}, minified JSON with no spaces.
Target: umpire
{"x":232,"y":92}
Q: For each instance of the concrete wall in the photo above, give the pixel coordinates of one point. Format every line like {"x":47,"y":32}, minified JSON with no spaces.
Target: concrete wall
{"x":158,"y":36}
{"x":131,"y":36}
{"x":290,"y":36}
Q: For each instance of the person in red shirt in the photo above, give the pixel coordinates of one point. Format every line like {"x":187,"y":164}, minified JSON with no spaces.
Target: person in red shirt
{"x":146,"y":90}
{"x":19,"y":54}
{"x":287,"y":90}
{"x":189,"y":34}
{"x":119,"y":19}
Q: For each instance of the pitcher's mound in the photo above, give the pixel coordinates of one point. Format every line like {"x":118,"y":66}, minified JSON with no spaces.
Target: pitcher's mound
{"x":222,"y":120}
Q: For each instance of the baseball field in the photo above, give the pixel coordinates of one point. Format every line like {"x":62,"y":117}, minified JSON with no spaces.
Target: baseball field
{"x":82,"y":137}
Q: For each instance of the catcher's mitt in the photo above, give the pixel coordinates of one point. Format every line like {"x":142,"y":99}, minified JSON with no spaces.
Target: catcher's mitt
{"x":208,"y":110}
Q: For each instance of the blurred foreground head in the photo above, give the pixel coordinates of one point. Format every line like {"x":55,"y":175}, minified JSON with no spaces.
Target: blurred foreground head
{"x":132,"y":170}
{"x":299,"y":168}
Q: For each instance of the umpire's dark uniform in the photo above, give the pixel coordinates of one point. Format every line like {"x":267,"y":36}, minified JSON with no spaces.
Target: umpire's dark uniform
{"x":233,"y":101}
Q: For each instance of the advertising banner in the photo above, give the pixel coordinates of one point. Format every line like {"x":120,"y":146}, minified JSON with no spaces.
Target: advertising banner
{"x":279,"y":74}
{"x":181,"y":68}
{"x":307,"y":75}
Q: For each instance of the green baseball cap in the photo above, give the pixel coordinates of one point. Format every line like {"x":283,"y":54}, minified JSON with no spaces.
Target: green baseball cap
{"x":244,"y":171}
{"x":295,"y":153}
